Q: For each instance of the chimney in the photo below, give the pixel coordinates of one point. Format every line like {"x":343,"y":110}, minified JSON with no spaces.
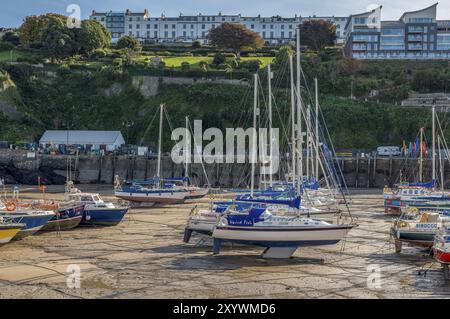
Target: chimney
{"x":127,"y":12}
{"x":93,"y":12}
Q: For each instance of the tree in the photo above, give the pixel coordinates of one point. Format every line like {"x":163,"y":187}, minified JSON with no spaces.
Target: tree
{"x":58,"y":40}
{"x":235,"y":37}
{"x":218,"y":59}
{"x":93,"y":36}
{"x":127,"y":42}
{"x":11,"y":37}
{"x":30,"y":32}
{"x":317,"y":34}
{"x":196,"y":45}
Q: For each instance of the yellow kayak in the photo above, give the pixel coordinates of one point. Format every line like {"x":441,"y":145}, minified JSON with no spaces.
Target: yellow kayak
{"x":8,"y":231}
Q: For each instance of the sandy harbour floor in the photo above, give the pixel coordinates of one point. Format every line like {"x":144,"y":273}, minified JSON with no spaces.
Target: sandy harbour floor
{"x":144,"y":257}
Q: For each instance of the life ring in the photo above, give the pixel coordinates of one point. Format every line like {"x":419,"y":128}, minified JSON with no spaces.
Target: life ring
{"x":10,"y":206}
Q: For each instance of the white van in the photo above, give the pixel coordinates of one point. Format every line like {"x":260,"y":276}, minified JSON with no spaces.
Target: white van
{"x":389,"y":151}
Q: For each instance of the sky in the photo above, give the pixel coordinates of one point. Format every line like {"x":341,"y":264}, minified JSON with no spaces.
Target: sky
{"x":13,"y":12}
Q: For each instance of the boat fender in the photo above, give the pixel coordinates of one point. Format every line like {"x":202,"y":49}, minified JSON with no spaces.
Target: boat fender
{"x":10,"y":206}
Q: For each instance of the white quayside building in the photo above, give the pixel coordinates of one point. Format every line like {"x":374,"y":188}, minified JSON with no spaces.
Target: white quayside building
{"x":188,"y":28}
{"x":90,"y":140}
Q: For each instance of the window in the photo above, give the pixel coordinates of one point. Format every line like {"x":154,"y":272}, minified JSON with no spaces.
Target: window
{"x":148,"y":26}
{"x":138,"y":26}
{"x":271,"y":34}
{"x":271,"y":26}
{"x":130,"y":19}
{"x":130,"y":34}
{"x":137,"y":34}
{"x":184,"y":34}
{"x":264,"y":34}
{"x":156,"y":34}
{"x":264,"y":26}
{"x":173,"y":34}
{"x":290,"y":34}
{"x":282,"y":27}
{"x":130,"y":26}
{"x":148,"y":34}
{"x":156,"y":26}
{"x":360,"y":20}
{"x":184,"y":26}
{"x":282,"y":34}
{"x":252,"y":26}
{"x":192,"y":26}
{"x":203,"y":26}
{"x":103,"y":19}
{"x":173,"y":26}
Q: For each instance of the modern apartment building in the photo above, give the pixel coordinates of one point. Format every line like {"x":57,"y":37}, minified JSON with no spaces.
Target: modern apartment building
{"x":275,"y":30}
{"x":416,"y":35}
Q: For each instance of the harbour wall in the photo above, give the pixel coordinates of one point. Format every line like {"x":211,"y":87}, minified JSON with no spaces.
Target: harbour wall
{"x":359,"y":172}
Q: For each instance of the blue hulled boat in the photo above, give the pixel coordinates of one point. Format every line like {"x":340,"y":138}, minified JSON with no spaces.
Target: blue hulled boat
{"x":32,"y":220}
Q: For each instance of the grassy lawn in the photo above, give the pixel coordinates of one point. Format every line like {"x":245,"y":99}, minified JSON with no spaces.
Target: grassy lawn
{"x":5,"y":56}
{"x":176,"y":61}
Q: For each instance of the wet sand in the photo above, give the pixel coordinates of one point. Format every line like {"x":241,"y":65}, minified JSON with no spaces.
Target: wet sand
{"x":144,"y":257}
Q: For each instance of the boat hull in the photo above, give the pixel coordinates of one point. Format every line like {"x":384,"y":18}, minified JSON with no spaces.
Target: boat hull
{"x":103,"y":217}
{"x":196,"y":194}
{"x":416,"y":238}
{"x":65,"y":219}
{"x":7,"y":233}
{"x":442,"y":255}
{"x":31,"y":223}
{"x":281,"y":237}
{"x":159,"y":198}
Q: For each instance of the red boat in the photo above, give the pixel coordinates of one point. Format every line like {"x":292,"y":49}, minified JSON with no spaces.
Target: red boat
{"x":441,"y":247}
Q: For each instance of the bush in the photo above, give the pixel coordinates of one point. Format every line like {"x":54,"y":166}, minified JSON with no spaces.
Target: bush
{"x":219,"y":58}
{"x":196,"y":44}
{"x":185,"y":66}
{"x":99,"y":54}
{"x":252,"y":65}
{"x":118,"y":62}
{"x":6,"y":46}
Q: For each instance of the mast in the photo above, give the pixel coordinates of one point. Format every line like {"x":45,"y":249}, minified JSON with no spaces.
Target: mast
{"x":269,"y":81}
{"x":299,"y":118}
{"x":421,"y":156}
{"x":317,"y":128}
{"x":433,"y":151}
{"x":308,"y":137}
{"x":187,"y":150}
{"x":294,"y":153}
{"x":441,"y":166}
{"x":158,"y":169}
{"x":254,"y":139}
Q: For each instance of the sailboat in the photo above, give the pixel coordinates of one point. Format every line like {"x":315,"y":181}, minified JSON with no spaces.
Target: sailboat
{"x":159,"y":190}
{"x":418,"y":192}
{"x":279,"y":235}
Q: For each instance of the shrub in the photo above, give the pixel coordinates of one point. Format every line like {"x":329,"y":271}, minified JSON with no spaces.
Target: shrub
{"x":185,"y":66}
{"x":252,"y":65}
{"x":5,"y":46}
{"x":99,"y":54}
{"x":196,"y":44}
{"x":219,"y":58}
{"x":118,"y":62}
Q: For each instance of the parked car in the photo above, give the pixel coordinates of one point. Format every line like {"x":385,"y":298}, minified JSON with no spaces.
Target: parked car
{"x":389,"y":151}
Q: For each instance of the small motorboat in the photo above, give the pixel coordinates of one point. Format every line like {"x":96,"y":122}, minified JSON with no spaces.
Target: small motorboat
{"x":32,"y":220}
{"x":441,"y":249}
{"x":8,"y":231}
{"x":96,"y":211}
{"x":280,"y":235}
{"x":441,"y":246}
{"x":417,"y":230}
{"x":68,"y":216}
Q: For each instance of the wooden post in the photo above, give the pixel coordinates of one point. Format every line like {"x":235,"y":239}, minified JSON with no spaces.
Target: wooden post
{"x":357,"y":170}
{"x":368,"y":172}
